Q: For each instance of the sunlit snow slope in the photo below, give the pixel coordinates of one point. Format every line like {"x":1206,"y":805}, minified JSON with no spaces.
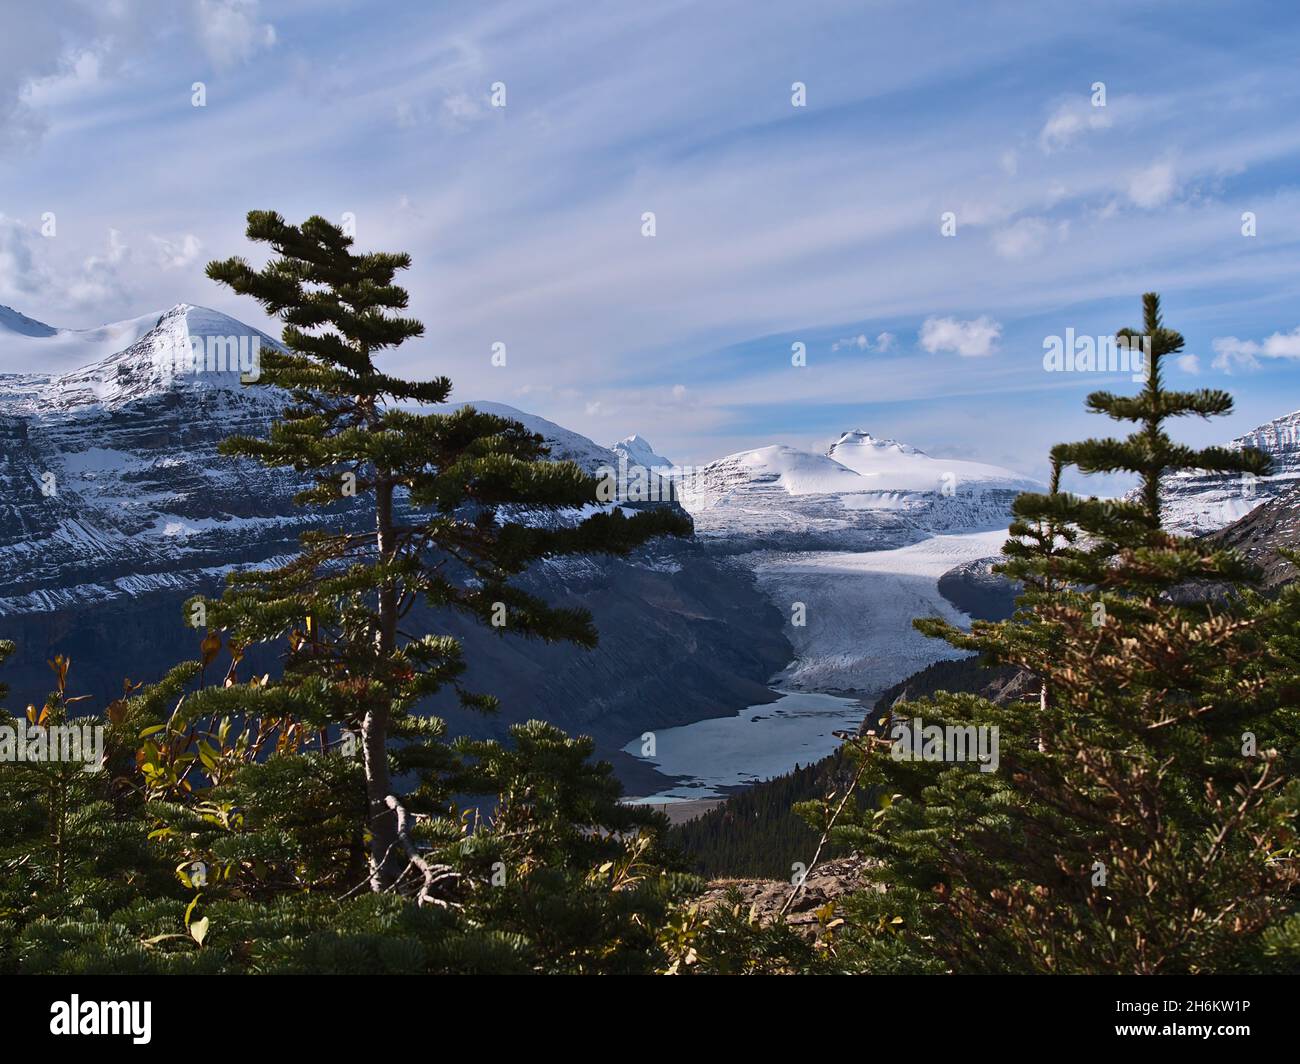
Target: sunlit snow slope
{"x":864,"y":494}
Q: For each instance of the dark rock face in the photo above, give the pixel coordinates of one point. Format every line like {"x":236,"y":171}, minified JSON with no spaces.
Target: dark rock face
{"x":682,"y":638}
{"x":975,"y":589}
{"x":117,"y":507}
{"x":1264,"y":530}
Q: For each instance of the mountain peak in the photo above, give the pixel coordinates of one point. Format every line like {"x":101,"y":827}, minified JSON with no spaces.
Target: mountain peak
{"x":638,"y":452}
{"x":14,"y":322}
{"x":186,"y":347}
{"x":861,"y":438}
{"x":32,"y":348}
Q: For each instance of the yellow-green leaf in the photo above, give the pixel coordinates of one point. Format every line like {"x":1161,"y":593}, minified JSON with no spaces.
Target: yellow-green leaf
{"x":199,"y":930}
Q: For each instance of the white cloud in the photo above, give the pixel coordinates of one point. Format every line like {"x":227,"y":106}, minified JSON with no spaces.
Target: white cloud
{"x":860,"y":342}
{"x":882,"y":343}
{"x":970,"y":339}
{"x":1021,"y":239}
{"x":27,"y":271}
{"x":81,"y":77}
{"x":1153,"y":186}
{"x":101,"y":280}
{"x":230,"y":31}
{"x":20,"y":273}
{"x":173,"y":255}
{"x":1231,"y":352}
{"x":1190,"y":363}
{"x":1069,"y":121}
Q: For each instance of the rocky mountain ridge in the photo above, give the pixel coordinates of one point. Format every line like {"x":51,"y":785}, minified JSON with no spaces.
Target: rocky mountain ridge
{"x":116,"y":507}
{"x":1196,"y":502}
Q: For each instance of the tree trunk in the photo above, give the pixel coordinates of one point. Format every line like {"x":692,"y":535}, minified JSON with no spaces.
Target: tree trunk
{"x":386,"y":856}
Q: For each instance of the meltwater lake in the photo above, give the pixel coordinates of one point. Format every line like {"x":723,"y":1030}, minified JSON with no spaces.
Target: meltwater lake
{"x":758,"y":743}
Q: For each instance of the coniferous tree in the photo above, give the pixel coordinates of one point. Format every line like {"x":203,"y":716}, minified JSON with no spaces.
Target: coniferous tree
{"x":73,"y":835}
{"x":1142,"y":816}
{"x":233,"y":827}
{"x":445,"y":491}
{"x":195,"y":852}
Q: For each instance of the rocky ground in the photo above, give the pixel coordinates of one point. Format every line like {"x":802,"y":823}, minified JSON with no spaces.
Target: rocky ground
{"x":764,"y":898}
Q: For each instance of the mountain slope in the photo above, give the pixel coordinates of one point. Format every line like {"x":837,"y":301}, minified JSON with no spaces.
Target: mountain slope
{"x":565,"y":445}
{"x":115,"y":507}
{"x":1197,"y":502}
{"x":11,"y":322}
{"x":638,"y":452}
{"x":1272,"y":525}
{"x":863,"y":494}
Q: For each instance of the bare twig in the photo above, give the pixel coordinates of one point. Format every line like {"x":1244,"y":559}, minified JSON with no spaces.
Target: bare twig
{"x":848,"y":793}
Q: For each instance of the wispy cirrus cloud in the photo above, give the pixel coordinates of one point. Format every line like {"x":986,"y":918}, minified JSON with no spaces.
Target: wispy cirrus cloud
{"x":1072,"y":119}
{"x":775,"y":223}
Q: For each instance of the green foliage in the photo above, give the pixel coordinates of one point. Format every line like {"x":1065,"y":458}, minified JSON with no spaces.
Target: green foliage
{"x":448,"y":493}
{"x":1143,"y":815}
{"x":757,"y":832}
{"x":73,"y":834}
{"x":314,"y":822}
{"x":170,"y":861}
{"x":727,"y":939}
{"x":577,"y":872}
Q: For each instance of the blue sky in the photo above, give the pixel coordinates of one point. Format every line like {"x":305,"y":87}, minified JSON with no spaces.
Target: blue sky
{"x":775,"y":224}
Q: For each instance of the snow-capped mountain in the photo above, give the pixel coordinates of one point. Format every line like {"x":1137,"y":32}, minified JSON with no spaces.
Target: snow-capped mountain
{"x":27,"y":344}
{"x":897,"y":466}
{"x":115,"y":507}
{"x":112,"y":478}
{"x":638,"y":452}
{"x":564,"y":445}
{"x":21,"y":325}
{"x":862,"y":494}
{"x":1199,"y":502}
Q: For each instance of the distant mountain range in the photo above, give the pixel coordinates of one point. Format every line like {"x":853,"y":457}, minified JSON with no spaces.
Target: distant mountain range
{"x":116,"y":507}
{"x":862,"y":494}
